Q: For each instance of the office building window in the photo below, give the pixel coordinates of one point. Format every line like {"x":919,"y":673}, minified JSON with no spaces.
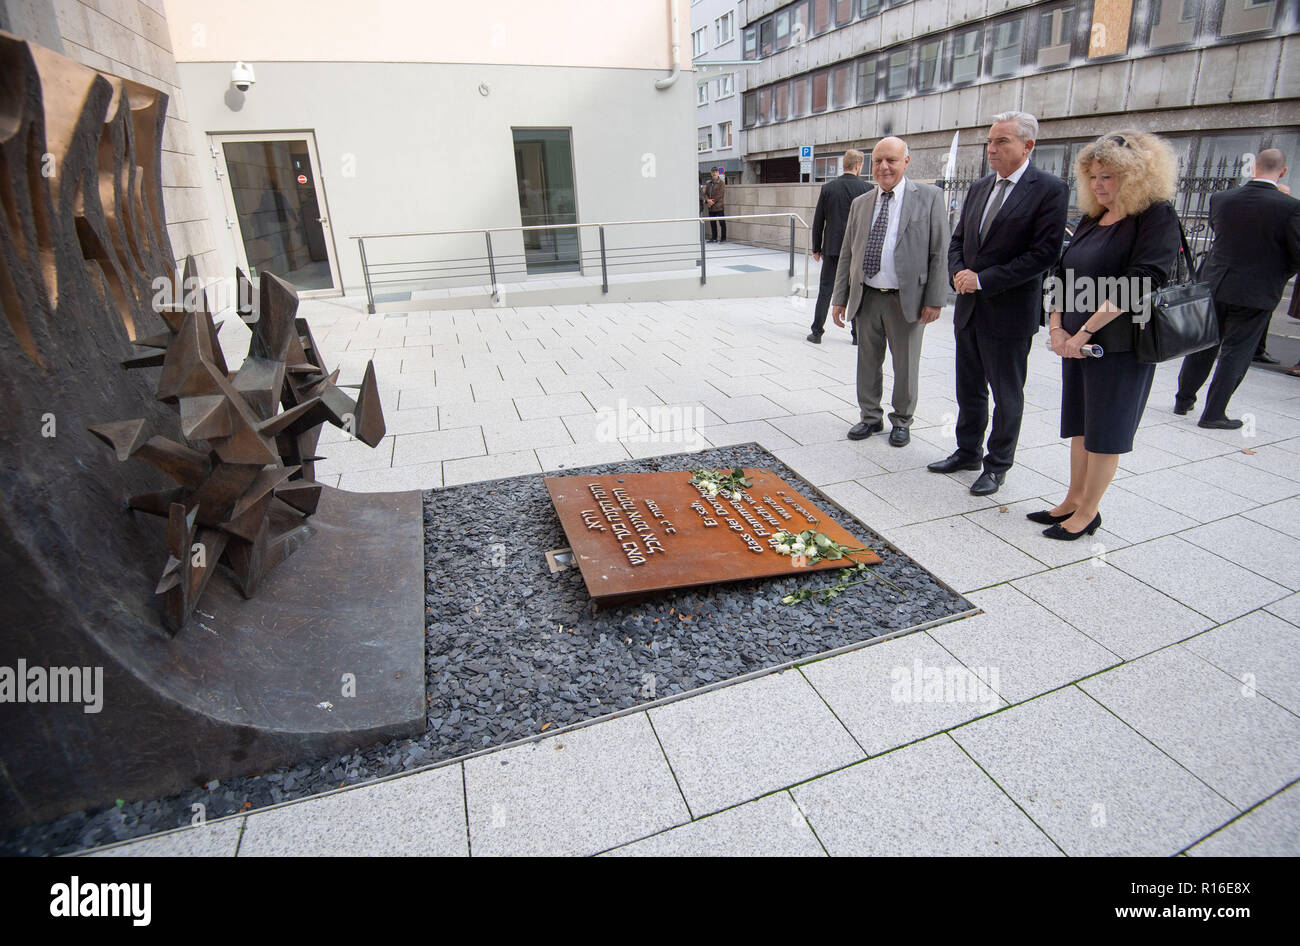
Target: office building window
{"x":1005,"y":43}
{"x":867,"y":80}
{"x":698,"y":40}
{"x":765,"y":37}
{"x":827,"y":169}
{"x":1109,"y":32}
{"x":1247,"y":16}
{"x":927,"y":65}
{"x":764,"y":105}
{"x":1056,"y":36}
{"x":706,"y":138}
{"x":843,"y":12}
{"x":725,"y":26}
{"x":799,"y":102}
{"x":819,"y":87}
{"x":896,"y":75}
{"x":821,"y":20}
{"x":782,"y":21}
{"x":842,"y":86}
{"x":750,"y":43}
{"x":799,"y":23}
{"x":870,"y":7}
{"x":724,"y":135}
{"x":781,"y":99}
{"x":751,"y":109}
{"x":965,"y":56}
{"x":702,"y":94}
{"x":726,"y":85}
{"x":1173,"y":22}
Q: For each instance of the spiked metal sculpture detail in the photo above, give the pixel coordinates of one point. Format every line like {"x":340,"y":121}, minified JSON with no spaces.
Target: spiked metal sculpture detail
{"x":250,"y":453}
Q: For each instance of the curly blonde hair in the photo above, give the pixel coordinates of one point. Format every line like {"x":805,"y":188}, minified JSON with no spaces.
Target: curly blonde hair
{"x":1145,"y":165}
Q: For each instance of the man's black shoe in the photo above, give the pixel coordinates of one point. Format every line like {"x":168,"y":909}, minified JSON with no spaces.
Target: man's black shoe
{"x":862,"y":430}
{"x":1182,"y":406}
{"x":1264,"y":358}
{"x":815,"y":338}
{"x":1219,"y":423}
{"x":899,"y":437}
{"x":987,"y":484}
{"x":958,"y":461}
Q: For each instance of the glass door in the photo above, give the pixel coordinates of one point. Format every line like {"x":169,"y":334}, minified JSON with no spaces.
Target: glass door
{"x":544,"y":170}
{"x":273,"y":187}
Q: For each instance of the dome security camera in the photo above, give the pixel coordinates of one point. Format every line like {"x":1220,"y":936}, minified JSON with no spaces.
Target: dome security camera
{"x":241,"y":77}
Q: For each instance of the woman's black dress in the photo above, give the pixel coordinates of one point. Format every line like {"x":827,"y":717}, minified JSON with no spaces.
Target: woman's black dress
{"x":1102,"y":399}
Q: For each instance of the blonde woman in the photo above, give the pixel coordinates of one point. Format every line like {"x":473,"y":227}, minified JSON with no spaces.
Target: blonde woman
{"x":1126,"y":242}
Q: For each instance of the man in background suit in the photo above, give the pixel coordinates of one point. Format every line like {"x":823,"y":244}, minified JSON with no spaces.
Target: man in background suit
{"x":891,"y":277}
{"x":1009,"y":235}
{"x":828,"y":233}
{"x":1256,"y":249}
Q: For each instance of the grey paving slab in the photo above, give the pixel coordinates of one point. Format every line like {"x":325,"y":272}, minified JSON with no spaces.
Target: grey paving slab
{"x":412,"y":421}
{"x":900,"y":690}
{"x":921,"y":496}
{"x":1261,"y":650}
{"x":393,"y":479}
{"x":349,"y":456}
{"x":1270,"y":830}
{"x":1272,"y":458}
{"x":1283,"y":516}
{"x":914,"y":456}
{"x":1146,"y":457}
{"x":1019,"y":647}
{"x":1052,"y":460}
{"x":754,"y":431}
{"x":525,"y":434}
{"x":962,"y":554}
{"x":1288,"y":609}
{"x":1186,"y":441}
{"x":414,"y":449}
{"x":865,"y":505}
{"x":1184,"y":494}
{"x":415,"y":815}
{"x":1090,"y":782}
{"x":1009,"y":524}
{"x":579,"y":455}
{"x":1250,"y":544}
{"x":494,"y":467}
{"x":742,"y":741}
{"x":771,"y":826}
{"x":733,"y":410}
{"x":562,"y":382}
{"x":217,"y":839}
{"x":1243,"y":746}
{"x":818,"y":428}
{"x":1112,"y":607}
{"x":552,"y":405}
{"x":1244,"y":479}
{"x":1130,"y":517}
{"x":477,"y":413}
{"x":1198,"y":578}
{"x":878,"y":808}
{"x":806,"y":401}
{"x":425,"y":395}
{"x":824,"y":463}
{"x":577,"y":793}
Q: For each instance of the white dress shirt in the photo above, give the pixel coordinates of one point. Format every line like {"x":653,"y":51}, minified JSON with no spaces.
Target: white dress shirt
{"x":887,"y":278}
{"x":1014,"y":177}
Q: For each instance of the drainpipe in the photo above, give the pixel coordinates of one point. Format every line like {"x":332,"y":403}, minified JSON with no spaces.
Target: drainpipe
{"x":667,"y":81}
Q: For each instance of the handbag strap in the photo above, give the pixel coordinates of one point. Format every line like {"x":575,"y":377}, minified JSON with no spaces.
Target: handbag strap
{"x":1182,"y":235}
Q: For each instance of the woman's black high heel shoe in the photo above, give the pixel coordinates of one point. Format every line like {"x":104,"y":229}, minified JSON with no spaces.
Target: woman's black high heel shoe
{"x":1046,"y":518}
{"x":1060,"y":532}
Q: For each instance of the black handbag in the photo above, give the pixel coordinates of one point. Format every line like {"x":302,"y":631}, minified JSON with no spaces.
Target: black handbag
{"x":1177,"y":319}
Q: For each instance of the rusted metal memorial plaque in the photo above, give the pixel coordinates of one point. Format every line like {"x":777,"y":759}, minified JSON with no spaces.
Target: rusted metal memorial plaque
{"x":637,"y":533}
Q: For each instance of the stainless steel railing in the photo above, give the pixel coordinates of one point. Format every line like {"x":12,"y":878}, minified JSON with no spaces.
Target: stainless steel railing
{"x":494,"y":263}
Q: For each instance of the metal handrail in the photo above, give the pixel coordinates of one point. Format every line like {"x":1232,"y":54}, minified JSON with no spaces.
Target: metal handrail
{"x":796,"y":222}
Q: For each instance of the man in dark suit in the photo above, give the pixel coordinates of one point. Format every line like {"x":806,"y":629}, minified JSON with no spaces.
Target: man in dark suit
{"x":1009,"y":235}
{"x":1255,"y":251}
{"x":828,"y":233}
{"x":715,"y":195}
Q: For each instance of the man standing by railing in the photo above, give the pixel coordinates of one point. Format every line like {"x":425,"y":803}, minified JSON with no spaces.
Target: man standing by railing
{"x":714,"y":193}
{"x":828,"y":234}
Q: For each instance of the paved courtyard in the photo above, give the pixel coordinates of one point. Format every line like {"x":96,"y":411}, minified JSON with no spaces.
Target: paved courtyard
{"x":1147,"y":681}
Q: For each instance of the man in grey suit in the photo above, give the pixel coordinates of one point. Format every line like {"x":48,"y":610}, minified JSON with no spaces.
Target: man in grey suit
{"x":893,"y":277}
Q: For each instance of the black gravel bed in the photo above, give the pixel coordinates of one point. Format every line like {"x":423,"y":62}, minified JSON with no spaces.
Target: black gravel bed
{"x":514,"y":650}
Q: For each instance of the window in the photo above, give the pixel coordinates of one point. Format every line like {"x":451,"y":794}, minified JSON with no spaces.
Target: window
{"x":1055,"y":36}
{"x":782,"y":29}
{"x":1005,"y":44}
{"x":724,"y":135}
{"x":827,"y":169}
{"x":896,"y":76}
{"x":819,"y":87}
{"x":702,"y":94}
{"x":799,"y":97}
{"x":698,"y":39}
{"x":725,"y":26}
{"x":965,"y":56}
{"x":764,"y":105}
{"x":867,"y":80}
{"x":821,"y":16}
{"x":1246,"y":16}
{"x":842,"y":86}
{"x":927,"y":65}
{"x":781,"y":102}
{"x":750,"y":43}
{"x":843,"y":12}
{"x":799,"y":23}
{"x":765,"y":37}
{"x":1173,"y":22}
{"x":726,"y":85}
{"x":870,"y":7}
{"x":1108,"y":34}
{"x":706,"y":138}
{"x":751,"y":109}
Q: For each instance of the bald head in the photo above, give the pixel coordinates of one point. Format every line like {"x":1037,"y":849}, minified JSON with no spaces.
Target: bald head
{"x":1270,"y":163}
{"x":889,"y":159}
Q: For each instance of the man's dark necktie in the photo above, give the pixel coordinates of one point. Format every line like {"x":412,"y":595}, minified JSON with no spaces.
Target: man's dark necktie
{"x":876,"y":238}
{"x":994,"y":207}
